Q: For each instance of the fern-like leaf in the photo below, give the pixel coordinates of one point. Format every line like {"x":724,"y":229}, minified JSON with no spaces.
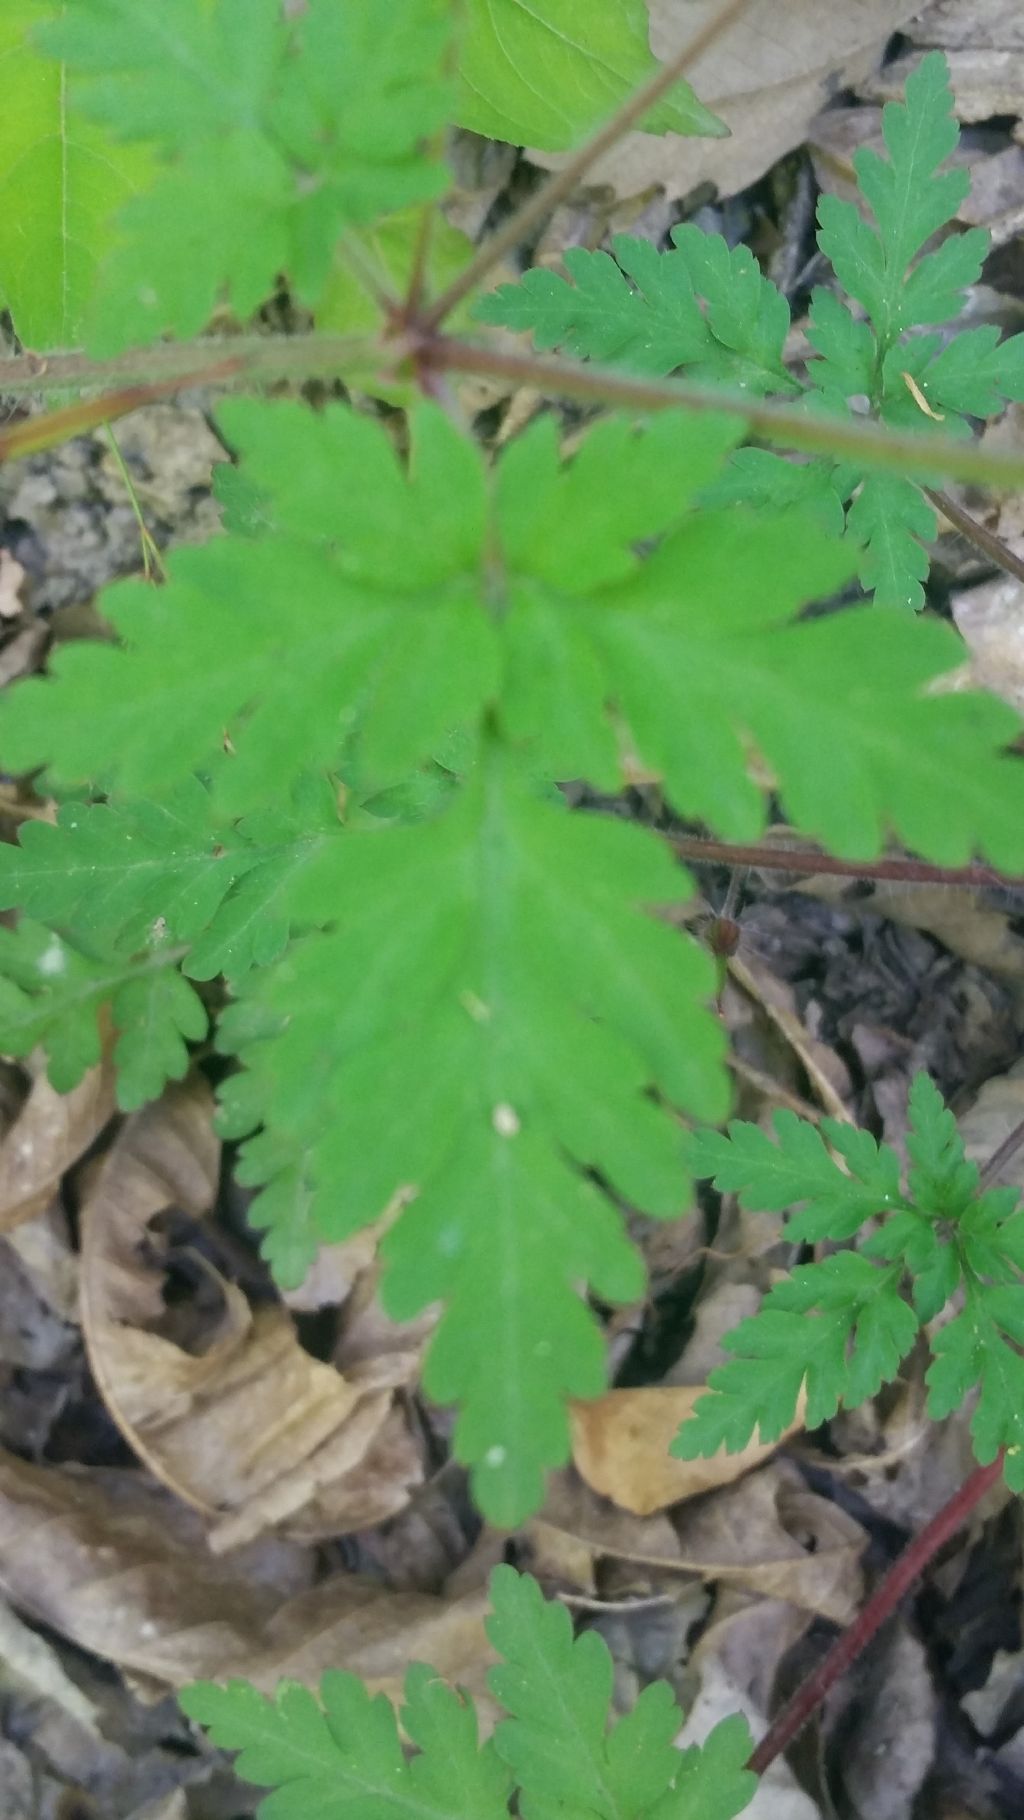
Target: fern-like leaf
{"x":52,"y":993}
{"x":557,"y":1751}
{"x":838,"y":1329}
{"x":910,"y":198}
{"x":705,"y":307}
{"x":344,"y":1753}
{"x":557,"y":1692}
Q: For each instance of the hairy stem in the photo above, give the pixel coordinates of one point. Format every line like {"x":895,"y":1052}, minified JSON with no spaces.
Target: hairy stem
{"x":256,"y":358}
{"x":858,"y":439}
{"x":773,"y":858}
{"x":261,"y":359}
{"x":901,"y":1576}
{"x":561,"y":183}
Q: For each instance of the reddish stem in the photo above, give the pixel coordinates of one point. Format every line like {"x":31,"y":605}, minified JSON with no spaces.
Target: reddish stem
{"x":883,"y":1602}
{"x":772,"y":858}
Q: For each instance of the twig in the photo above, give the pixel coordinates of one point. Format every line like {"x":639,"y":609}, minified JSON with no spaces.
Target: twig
{"x":770,"y":858}
{"x":901,"y":1576}
{"x":976,"y":533}
{"x":561,"y":183}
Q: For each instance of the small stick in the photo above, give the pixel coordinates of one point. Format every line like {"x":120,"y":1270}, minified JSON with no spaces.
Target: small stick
{"x":976,"y":533}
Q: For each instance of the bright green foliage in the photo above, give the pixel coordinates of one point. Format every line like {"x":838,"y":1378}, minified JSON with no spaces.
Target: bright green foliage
{"x":490,"y":996}
{"x":343,"y":1753}
{"x":61,"y":179}
{"x":557,"y":1751}
{"x":475,"y":974}
{"x":393,"y":605}
{"x":557,"y":1692}
{"x":51,"y":994}
{"x":141,"y":873}
{"x":910,"y":199}
{"x":840,"y":1328}
{"x":258,"y":136}
{"x":545,"y":72}
{"x":274,"y":136}
{"x":642,"y":310}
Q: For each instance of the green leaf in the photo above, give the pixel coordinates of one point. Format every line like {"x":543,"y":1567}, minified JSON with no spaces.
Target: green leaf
{"x":975,"y":373}
{"x":275,"y":136}
{"x":489,"y":991}
{"x":759,"y":477}
{"x":62,"y":178}
{"x":892,"y":519}
{"x":839,"y":1328}
{"x":641,"y":310}
{"x":51,"y":994}
{"x":910,"y":199}
{"x":557,"y":1692}
{"x":545,"y":73}
{"x":731,"y":672}
{"x":942,"y":1181}
{"x":797,"y":1170}
{"x":156,"y":1014}
{"x":846,"y":348}
{"x":343,"y":1753}
{"x":980,"y":1346}
{"x":125,"y":874}
{"x":278,"y":644}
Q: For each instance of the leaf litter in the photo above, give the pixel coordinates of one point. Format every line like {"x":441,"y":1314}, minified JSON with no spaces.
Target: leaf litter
{"x":156,"y":1527}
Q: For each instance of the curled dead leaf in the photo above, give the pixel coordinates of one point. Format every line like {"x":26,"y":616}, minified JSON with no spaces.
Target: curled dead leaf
{"x":50,"y":1133}
{"x":247,"y":1427}
{"x":122,"y":1571}
{"x":620,"y":1445}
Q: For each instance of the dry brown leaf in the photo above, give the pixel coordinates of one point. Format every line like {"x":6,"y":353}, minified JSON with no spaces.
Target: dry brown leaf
{"x":984,"y":24}
{"x":252,"y":1430}
{"x":12,"y":579}
{"x":984,"y":82}
{"x":772,"y":1536}
{"x":620,"y":1445}
{"x":826,"y":1072}
{"x":124,"y":1573}
{"x":953,"y":914}
{"x":373,"y":1632}
{"x":172,"y":1807}
{"x":991,"y":620}
{"x":116,"y":1581}
{"x":996,"y":1110}
{"x":767,"y":76}
{"x":50,"y":1133}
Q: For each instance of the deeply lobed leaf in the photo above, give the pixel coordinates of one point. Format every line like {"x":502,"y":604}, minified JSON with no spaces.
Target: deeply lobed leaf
{"x":537,"y":1008}
{"x":644,"y":309}
{"x":839,"y":1328}
{"x":556,"y":1751}
{"x":275,"y":132}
